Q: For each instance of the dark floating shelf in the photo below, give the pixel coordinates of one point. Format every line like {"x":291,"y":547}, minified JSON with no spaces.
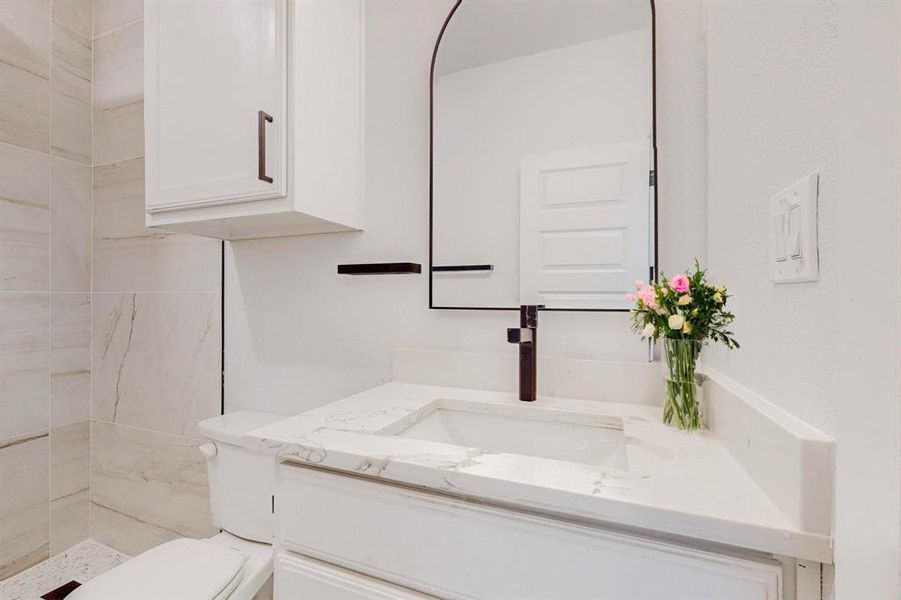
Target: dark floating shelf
{"x":380,"y":268}
{"x":452,"y":268}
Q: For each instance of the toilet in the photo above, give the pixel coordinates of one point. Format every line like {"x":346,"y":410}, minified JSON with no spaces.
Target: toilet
{"x":234,"y":564}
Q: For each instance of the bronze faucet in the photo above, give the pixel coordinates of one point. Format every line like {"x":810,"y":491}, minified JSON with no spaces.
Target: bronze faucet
{"x":526,"y":335}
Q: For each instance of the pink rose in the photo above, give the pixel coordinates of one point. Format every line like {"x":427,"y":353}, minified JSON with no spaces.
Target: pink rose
{"x":639,"y":284}
{"x":648,"y":296}
{"x":679,"y":283}
{"x":630,"y":297}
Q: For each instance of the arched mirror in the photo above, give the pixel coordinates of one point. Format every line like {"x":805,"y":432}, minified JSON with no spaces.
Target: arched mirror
{"x":542,"y":154}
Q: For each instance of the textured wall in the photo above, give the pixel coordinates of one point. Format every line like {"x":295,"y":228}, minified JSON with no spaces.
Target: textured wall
{"x":298,"y":335}
{"x":772,"y":118}
{"x":795,"y":88}
{"x":868,"y":392}
{"x":45,"y":278}
{"x":772,"y":84}
{"x":156,"y":319}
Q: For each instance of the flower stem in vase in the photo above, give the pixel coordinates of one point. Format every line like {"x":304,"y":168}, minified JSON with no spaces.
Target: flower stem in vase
{"x":681,"y":408}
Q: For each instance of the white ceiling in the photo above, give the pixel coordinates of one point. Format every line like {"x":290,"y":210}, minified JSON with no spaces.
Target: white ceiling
{"x":487,"y":31}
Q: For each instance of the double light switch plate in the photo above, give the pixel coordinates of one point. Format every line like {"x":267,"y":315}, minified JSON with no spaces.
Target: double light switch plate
{"x":793,"y":232}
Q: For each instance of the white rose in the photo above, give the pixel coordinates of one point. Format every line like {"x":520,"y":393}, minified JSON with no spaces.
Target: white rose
{"x":676,"y":322}
{"x":649,"y":330}
{"x":683,"y":300}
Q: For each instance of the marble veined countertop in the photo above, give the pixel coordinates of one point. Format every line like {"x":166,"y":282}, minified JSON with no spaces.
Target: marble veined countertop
{"x":680,"y":484}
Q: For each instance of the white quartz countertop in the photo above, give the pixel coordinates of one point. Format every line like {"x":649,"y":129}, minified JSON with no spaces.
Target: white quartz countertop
{"x":676,"y":483}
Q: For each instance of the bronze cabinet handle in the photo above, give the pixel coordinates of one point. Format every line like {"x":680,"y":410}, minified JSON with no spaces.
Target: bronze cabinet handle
{"x":262,"y":119}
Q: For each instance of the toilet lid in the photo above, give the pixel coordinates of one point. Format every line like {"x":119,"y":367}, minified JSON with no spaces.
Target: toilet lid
{"x":183,"y":569}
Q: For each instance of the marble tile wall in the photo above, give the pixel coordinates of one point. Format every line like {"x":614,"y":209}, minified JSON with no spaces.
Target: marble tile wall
{"x":25,"y":48}
{"x":131,"y":257}
{"x":119,"y":94}
{"x":70,"y":224}
{"x":24,"y":498}
{"x":70,"y":123}
{"x":156,"y":318}
{"x":25,"y":226}
{"x":149,"y":487}
{"x":70,"y":456}
{"x":70,"y":359}
{"x":45,"y":277}
{"x":156,"y":360}
{"x":109,"y":332}
{"x":24,"y":364}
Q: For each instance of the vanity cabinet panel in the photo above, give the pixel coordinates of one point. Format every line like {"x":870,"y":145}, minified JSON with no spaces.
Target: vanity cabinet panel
{"x":253,"y":117}
{"x":300,"y":577}
{"x":452,"y":548}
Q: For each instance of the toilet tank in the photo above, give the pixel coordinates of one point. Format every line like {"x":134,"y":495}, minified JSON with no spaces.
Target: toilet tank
{"x":241,"y":482}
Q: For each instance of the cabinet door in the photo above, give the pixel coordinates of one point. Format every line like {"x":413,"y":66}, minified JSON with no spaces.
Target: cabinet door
{"x":299,"y":577}
{"x":210,"y":68}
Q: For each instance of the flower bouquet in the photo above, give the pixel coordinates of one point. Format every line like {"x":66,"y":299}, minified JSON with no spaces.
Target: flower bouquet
{"x":687,"y":312}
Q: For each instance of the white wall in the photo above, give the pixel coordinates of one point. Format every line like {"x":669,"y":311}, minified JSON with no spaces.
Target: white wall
{"x":868,"y":323}
{"x":298,"y":335}
{"x":488,"y":117}
{"x":773,"y":118}
{"x":794,"y":88}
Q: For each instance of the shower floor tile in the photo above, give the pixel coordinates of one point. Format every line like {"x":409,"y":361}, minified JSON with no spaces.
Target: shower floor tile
{"x":80,"y":563}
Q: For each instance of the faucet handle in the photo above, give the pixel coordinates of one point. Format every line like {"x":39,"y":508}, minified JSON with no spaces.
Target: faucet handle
{"x":519,"y":335}
{"x":528,"y":315}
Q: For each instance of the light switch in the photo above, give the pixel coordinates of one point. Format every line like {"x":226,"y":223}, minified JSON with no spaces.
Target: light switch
{"x":779,"y":236}
{"x":793,"y":232}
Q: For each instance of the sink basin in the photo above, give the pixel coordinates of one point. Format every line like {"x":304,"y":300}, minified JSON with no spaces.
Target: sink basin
{"x":546,"y":434}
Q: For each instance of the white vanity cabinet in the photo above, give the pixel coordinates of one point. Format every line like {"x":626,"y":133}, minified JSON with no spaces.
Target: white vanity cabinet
{"x":299,"y":577}
{"x":249,"y":131}
{"x":341,"y":536}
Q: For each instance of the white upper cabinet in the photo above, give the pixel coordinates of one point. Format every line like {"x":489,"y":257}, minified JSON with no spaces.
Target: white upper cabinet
{"x":212,"y":69}
{"x":253,"y":117}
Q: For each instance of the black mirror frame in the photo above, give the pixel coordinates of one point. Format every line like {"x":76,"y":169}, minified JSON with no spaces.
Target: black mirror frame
{"x":653,"y":268}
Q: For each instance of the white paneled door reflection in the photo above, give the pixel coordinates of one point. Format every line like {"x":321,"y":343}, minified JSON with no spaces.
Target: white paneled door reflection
{"x":584,"y":234}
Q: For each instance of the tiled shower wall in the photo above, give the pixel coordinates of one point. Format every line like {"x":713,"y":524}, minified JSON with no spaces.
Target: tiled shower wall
{"x":45,"y":277}
{"x":156,"y":322}
{"x":84,"y":286}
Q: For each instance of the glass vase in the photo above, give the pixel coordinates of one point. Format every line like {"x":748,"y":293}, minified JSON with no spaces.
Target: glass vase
{"x":682,"y":407}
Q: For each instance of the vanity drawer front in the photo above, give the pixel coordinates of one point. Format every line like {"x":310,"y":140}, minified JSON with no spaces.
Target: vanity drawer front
{"x":300,"y":578}
{"x":450,"y":548}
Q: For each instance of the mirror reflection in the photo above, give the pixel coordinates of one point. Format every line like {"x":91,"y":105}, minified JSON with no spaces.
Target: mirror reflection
{"x":542,"y":154}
